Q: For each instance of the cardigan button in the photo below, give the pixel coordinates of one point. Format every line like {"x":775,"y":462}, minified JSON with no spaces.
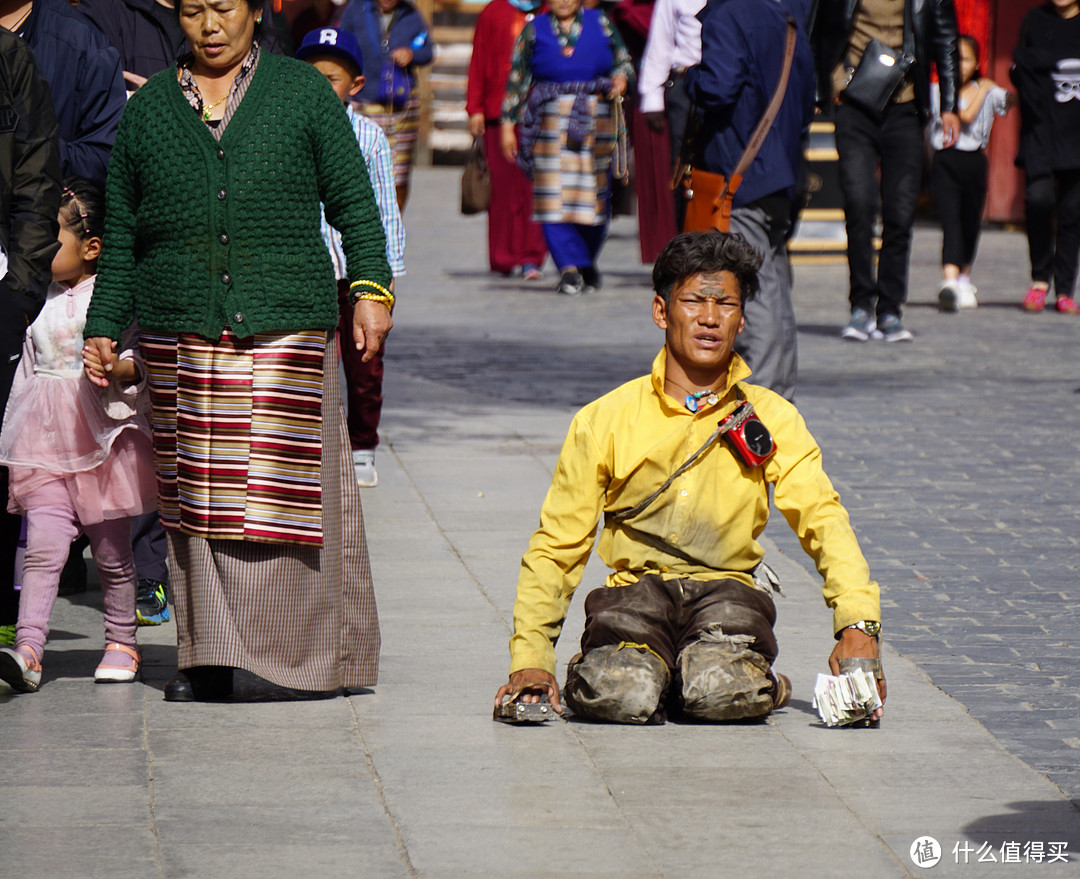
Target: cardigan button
{"x":225,"y":277}
{"x":238,"y":317}
{"x":221,"y":154}
{"x":223,"y":238}
{"x":221,"y":195}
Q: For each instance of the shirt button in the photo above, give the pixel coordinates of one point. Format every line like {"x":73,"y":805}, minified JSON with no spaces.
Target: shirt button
{"x":221,"y":195}
{"x":238,"y":317}
{"x":221,"y":154}
{"x":673,"y":537}
{"x":223,"y":238}
{"x":225,"y":277}
{"x":683,"y":493}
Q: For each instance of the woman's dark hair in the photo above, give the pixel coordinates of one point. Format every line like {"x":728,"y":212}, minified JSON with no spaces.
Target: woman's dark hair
{"x":971,"y":41}
{"x":82,"y":207}
{"x":702,"y":253}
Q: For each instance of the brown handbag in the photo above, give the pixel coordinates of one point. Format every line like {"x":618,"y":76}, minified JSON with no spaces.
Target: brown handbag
{"x":476,"y":180}
{"x":709,"y":196}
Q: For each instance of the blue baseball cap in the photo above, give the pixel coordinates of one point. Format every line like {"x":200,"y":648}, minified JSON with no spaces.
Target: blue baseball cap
{"x":332,"y":41}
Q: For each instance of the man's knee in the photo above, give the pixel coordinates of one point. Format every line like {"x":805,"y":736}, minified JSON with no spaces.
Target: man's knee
{"x":724,"y":680}
{"x":618,"y":684}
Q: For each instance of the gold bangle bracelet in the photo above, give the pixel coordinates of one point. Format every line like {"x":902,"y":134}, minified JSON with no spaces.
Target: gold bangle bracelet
{"x":371,"y":284}
{"x":387,"y":299}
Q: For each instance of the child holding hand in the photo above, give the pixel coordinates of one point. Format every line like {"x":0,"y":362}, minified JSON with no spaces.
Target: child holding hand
{"x":79,"y":454}
{"x":336,"y":54}
{"x":958,"y":174}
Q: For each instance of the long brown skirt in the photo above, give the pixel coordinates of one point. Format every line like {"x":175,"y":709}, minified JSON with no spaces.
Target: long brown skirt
{"x":301,"y":617}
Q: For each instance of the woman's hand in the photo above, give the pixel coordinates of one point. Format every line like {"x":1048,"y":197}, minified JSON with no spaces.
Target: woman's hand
{"x":508,"y":140}
{"x":476,"y":124}
{"x":402,"y":57}
{"x":98,"y":359}
{"x":618,"y":86}
{"x":371,"y":323}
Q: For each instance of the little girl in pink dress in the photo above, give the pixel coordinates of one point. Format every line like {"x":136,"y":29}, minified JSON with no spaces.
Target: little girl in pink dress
{"x":79,"y":456}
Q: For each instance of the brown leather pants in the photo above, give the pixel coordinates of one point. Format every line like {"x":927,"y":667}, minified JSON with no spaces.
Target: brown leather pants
{"x":714,"y":637}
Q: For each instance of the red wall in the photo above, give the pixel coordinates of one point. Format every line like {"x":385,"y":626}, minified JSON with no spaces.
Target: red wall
{"x":1005,"y":197}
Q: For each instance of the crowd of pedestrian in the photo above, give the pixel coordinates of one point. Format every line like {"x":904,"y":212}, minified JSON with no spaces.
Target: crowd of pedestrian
{"x":198,"y":227}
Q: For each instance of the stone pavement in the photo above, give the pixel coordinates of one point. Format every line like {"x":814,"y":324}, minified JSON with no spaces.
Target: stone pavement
{"x":956,"y":458}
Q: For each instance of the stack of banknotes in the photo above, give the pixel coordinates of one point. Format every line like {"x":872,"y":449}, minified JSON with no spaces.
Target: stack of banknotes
{"x":847,"y":698}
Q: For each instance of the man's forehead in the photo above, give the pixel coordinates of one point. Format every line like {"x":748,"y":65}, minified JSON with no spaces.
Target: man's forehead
{"x":713,"y":283}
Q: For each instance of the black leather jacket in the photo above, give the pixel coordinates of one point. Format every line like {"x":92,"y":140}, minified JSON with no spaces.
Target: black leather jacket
{"x":933,"y":23}
{"x":29,"y":192}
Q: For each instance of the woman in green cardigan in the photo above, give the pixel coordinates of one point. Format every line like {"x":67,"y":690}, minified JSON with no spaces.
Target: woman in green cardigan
{"x":212,"y":244}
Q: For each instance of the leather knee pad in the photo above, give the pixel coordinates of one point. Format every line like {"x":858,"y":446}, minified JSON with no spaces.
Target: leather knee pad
{"x":724,"y":681}
{"x":619,"y":685}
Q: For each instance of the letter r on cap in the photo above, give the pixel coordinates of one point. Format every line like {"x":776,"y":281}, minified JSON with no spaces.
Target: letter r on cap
{"x":328,"y":35}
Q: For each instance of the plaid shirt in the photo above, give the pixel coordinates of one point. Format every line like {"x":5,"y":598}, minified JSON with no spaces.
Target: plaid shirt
{"x":378,"y":158}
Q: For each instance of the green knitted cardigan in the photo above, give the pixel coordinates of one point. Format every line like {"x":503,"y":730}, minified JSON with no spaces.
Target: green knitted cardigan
{"x":200,"y":234}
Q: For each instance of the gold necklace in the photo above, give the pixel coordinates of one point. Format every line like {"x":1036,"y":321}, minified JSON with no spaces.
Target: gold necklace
{"x":209,"y":108}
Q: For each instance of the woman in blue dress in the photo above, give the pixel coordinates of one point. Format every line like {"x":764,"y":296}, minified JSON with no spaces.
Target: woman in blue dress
{"x":569,"y":71}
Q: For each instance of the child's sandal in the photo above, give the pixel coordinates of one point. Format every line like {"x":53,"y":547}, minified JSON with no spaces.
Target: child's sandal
{"x":117,"y":674}
{"x":20,"y":668}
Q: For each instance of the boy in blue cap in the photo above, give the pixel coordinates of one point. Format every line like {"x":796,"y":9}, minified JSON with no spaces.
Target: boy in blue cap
{"x":336,"y":54}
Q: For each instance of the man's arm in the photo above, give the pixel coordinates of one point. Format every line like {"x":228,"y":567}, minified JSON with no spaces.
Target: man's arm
{"x":811,"y":506}
{"x":552,"y":567}
{"x":103,"y":100}
{"x":717,"y":81}
{"x":656,"y":62}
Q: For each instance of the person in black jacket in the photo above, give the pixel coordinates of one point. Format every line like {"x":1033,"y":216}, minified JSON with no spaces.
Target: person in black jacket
{"x":29,"y":205}
{"x":1046,"y":73}
{"x":144,"y":32}
{"x":84,"y":77}
{"x":148,"y":36}
{"x":926,"y":30}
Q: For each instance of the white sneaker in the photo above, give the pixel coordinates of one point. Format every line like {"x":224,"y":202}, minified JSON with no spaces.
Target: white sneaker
{"x":967,"y":295}
{"x":364,"y":465}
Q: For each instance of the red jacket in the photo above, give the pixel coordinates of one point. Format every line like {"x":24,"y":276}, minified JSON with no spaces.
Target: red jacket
{"x":497,"y":27}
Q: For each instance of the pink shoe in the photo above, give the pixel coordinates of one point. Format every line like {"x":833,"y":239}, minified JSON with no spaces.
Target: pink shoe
{"x":1066,"y":305}
{"x":117,"y":669}
{"x":1035,"y":300}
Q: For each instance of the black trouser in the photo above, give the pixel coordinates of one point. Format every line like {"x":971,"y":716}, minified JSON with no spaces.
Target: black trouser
{"x":677,"y":107}
{"x":896,"y":144}
{"x":1052,"y":258}
{"x":958,"y":180}
{"x":9,"y":524}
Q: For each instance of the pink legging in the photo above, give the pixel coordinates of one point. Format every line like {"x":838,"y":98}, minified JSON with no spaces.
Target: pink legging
{"x":51,"y":526}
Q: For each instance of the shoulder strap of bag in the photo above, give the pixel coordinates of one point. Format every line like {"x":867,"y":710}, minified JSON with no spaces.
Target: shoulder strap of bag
{"x":768,"y":117}
{"x":686,"y":156}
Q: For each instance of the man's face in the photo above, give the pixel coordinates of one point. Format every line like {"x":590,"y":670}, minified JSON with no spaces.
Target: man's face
{"x":700,"y":321}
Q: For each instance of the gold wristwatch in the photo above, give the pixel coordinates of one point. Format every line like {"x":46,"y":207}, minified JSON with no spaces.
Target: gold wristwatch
{"x":870,"y":627}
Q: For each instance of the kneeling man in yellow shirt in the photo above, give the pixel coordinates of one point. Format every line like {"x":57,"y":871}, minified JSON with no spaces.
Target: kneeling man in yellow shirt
{"x":678,"y":464}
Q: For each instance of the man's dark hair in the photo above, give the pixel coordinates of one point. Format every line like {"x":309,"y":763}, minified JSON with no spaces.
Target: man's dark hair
{"x":703,"y":253}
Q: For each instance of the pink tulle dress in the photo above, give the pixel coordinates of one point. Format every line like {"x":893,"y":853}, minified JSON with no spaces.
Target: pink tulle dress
{"x":58,"y":425}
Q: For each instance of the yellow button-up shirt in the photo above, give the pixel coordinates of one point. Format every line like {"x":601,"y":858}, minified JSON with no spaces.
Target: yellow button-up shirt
{"x":621,"y":448}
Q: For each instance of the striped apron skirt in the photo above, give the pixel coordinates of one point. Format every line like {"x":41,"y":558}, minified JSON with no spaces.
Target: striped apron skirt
{"x":268,"y":561}
{"x":571,"y":186}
